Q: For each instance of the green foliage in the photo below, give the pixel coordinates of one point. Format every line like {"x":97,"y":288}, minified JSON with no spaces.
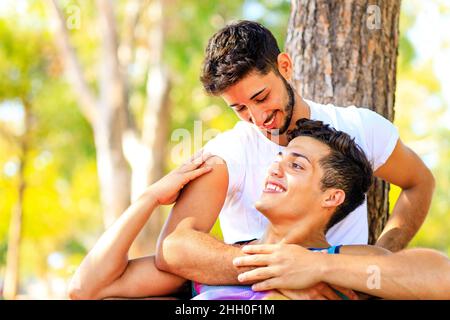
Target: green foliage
{"x":61,"y":197}
{"x":419,"y":108}
{"x":3,"y":249}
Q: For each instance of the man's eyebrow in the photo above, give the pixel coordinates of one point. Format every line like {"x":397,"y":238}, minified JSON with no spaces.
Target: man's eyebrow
{"x":256,"y":94}
{"x":295,"y":154}
{"x":251,"y":98}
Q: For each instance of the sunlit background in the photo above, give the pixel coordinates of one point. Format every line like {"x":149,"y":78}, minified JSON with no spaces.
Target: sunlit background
{"x":60,"y":197}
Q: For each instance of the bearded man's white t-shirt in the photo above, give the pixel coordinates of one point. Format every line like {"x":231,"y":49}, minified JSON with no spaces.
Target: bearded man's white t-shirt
{"x":248,"y":155}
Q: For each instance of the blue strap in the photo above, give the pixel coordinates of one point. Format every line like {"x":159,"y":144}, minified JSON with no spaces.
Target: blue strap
{"x":330,"y":250}
{"x":334,"y":249}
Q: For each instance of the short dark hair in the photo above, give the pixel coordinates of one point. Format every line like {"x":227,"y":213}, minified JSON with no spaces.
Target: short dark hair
{"x":236,"y":50}
{"x":346,"y":167}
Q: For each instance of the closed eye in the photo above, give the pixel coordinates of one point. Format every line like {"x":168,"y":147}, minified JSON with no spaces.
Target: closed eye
{"x":262,"y":100}
{"x":241,"y":108}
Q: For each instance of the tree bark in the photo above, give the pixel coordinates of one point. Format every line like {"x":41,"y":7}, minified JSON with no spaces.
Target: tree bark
{"x":345,"y":53}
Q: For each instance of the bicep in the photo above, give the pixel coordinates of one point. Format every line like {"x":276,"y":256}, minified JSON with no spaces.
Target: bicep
{"x":201,"y":200}
{"x":142,"y":279}
{"x":403,"y":168}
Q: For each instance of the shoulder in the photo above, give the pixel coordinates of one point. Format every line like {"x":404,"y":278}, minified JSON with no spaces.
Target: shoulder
{"x":240,"y":132}
{"x":350,"y":111}
{"x":352,"y":118}
{"x":348,"y":119}
{"x":233,"y":147}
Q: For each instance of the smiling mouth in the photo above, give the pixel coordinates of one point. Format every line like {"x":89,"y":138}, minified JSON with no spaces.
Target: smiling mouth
{"x":269,"y":123}
{"x":274,"y":188}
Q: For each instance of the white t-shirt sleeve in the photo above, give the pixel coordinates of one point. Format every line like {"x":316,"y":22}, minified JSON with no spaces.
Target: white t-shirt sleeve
{"x":381,"y":136}
{"x":229,"y":146}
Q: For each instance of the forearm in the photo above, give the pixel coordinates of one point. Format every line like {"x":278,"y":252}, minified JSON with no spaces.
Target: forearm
{"x":407,"y":217}
{"x":412,"y":274}
{"x":108,"y":259}
{"x":199,"y":257}
{"x":363,"y":250}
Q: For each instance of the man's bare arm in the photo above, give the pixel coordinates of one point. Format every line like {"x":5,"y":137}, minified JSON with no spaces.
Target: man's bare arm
{"x":106,"y":270}
{"x":406,"y":170}
{"x":408,"y":274}
{"x":185,"y":248}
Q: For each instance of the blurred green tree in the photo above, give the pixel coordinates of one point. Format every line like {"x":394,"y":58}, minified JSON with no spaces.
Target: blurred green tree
{"x":421,"y":113}
{"x":38,"y":206}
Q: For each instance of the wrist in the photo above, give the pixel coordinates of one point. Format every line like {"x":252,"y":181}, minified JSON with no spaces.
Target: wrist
{"x":325,"y":266}
{"x":150,"y":196}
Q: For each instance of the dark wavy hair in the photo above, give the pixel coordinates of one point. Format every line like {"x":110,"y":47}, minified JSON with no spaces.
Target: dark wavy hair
{"x":235,"y":51}
{"x":346,"y":167}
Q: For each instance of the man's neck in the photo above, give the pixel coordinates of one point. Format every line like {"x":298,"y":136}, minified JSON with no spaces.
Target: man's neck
{"x":307,"y":232}
{"x":301,"y":110}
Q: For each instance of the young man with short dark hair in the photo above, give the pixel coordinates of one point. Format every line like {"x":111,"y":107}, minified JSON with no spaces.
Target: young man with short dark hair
{"x":320,"y":178}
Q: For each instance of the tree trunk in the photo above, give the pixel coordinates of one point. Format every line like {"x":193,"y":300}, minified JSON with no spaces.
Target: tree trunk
{"x":148,"y":164}
{"x":107,"y":114}
{"x":118,"y":144}
{"x":345,"y":53}
{"x":12,"y":272}
{"x":113,"y":170}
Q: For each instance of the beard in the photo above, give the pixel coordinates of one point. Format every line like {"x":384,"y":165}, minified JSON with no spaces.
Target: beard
{"x":288,"y":109}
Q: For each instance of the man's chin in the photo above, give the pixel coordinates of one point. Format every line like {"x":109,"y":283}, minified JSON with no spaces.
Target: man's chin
{"x":259,"y":205}
{"x":263,"y":206}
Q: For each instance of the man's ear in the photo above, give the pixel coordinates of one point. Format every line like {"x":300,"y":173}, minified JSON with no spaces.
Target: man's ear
{"x":285,"y":65}
{"x":333,"y":198}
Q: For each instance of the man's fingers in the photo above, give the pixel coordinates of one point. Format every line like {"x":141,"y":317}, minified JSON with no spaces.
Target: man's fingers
{"x":257,"y":274}
{"x":326,"y":291}
{"x":265,"y":285}
{"x":196,"y":161}
{"x":260,"y":248}
{"x":252,"y":261}
{"x":191,"y":175}
{"x":330,"y":294}
{"x":196,"y":155}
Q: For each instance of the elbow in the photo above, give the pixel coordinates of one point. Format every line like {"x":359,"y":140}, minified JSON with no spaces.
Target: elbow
{"x":76,"y":294}
{"x":432,"y":181}
{"x":428,"y":181}
{"x":76,"y":291}
{"x":170,"y":253}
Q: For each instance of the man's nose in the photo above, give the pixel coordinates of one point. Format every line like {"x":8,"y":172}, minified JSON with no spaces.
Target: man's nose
{"x":275,"y":169}
{"x":258,"y":117}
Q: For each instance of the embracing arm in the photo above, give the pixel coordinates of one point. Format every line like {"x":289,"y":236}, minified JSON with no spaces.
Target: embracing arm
{"x":408,"y":274}
{"x":106,"y":270}
{"x":185,"y":248}
{"x":406,"y":170}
